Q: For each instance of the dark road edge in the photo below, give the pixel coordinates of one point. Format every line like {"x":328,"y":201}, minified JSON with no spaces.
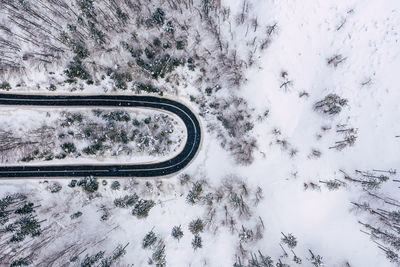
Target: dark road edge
{"x":162,"y":168}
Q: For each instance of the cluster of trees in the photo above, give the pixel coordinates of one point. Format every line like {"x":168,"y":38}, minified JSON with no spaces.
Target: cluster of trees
{"x":382,"y":207}
{"x":149,"y":46}
{"x":100,"y":258}
{"x":158,"y":38}
{"x":284,"y":144}
{"x":102,"y":132}
{"x":141,"y":207}
{"x":332,"y":104}
{"x":26,"y":146}
{"x":348,"y":139}
{"x":18,"y":223}
{"x":155,"y":243}
{"x":228,"y":206}
{"x":258,"y":259}
{"x":233,"y":126}
{"x":26,"y":240}
{"x":118,"y":132}
{"x":18,"y":218}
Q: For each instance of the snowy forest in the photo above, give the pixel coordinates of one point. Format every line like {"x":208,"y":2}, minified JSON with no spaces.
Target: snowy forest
{"x":298,"y":163}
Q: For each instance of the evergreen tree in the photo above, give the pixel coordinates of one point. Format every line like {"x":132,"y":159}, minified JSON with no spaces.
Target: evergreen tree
{"x":266,"y":261}
{"x":142,"y":208}
{"x":289,"y":240}
{"x":316,"y":260}
{"x":331,"y":104}
{"x":20,"y":262}
{"x":246,"y":234}
{"x":126,"y":201}
{"x":177,"y":232}
{"x":89,"y":184}
{"x":89,"y":261}
{"x":149,"y":240}
{"x":115,"y":185}
{"x":194,"y":194}
{"x":196,"y":226}
{"x":73,"y":183}
{"x":281,"y":264}
{"x":197,"y":242}
{"x":26,"y":209}
{"x":158,"y":255}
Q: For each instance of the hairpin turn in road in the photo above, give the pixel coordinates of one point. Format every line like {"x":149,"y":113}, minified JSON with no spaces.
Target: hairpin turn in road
{"x":170,"y":166}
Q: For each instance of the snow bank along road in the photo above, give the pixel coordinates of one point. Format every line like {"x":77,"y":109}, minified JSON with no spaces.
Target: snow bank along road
{"x":172,"y":165}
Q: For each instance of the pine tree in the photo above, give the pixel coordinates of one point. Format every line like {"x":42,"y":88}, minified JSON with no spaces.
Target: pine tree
{"x":26,"y":209}
{"x":196,"y":226}
{"x":20,"y":262}
{"x":253,"y":262}
{"x":126,"y":201}
{"x":149,"y":240}
{"x":89,"y":261}
{"x":89,"y":184}
{"x":238,"y":263}
{"x":158,"y":255}
{"x":177,"y":232}
{"x":194,"y":194}
{"x":266,"y":261}
{"x":115,"y":185}
{"x":197,"y":242}
{"x":316,"y":260}
{"x":246,"y":234}
{"x":281,"y":264}
{"x":142,"y":208}
{"x":289,"y":240}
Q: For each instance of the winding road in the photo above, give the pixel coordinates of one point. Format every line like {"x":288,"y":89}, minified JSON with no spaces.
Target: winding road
{"x":163,"y":168}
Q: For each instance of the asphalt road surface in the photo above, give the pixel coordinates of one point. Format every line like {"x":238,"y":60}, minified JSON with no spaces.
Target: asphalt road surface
{"x":172,"y":165}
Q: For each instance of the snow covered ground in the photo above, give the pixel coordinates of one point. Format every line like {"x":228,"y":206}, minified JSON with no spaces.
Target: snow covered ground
{"x":293,"y":150}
